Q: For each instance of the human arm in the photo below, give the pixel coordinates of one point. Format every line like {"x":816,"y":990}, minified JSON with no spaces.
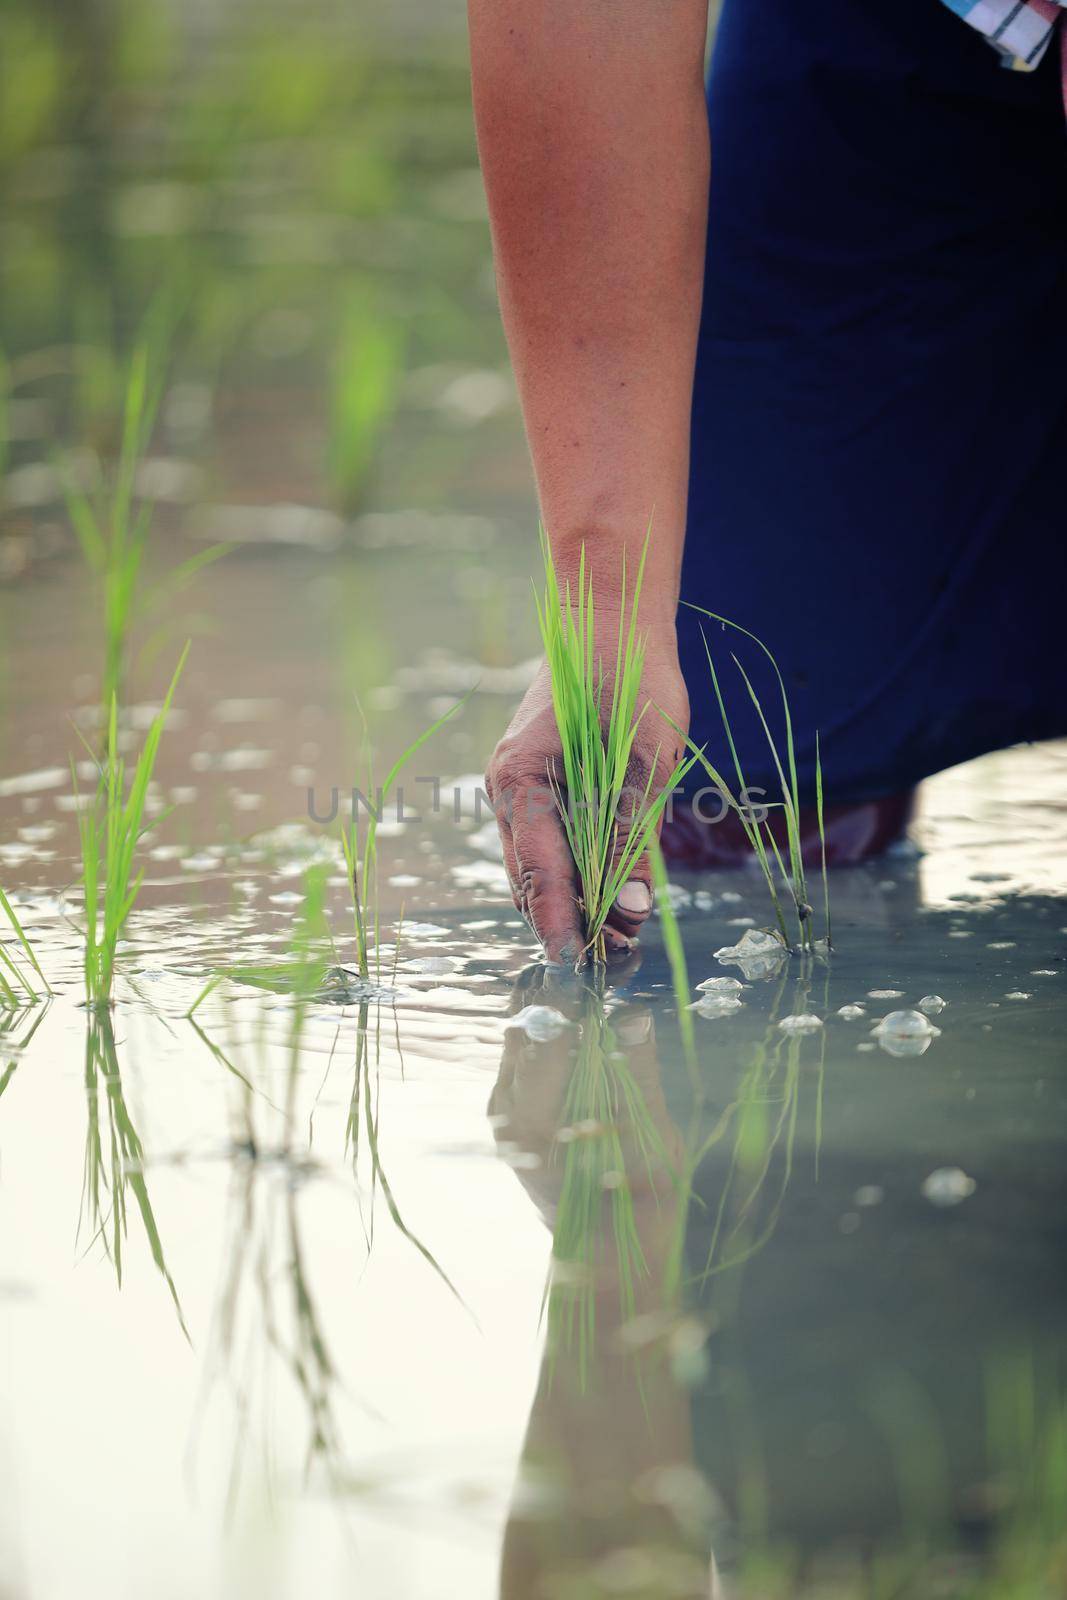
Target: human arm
{"x":592,"y":132}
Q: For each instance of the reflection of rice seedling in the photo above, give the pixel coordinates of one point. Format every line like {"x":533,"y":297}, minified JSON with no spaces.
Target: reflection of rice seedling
{"x":111,"y":829}
{"x":608,"y":1139}
{"x":16,"y":989}
{"x":363,"y":1125}
{"x":765,"y":1115}
{"x":597,"y":735}
{"x":759,"y":833}
{"x":360,"y":842}
{"x":14,"y":1044}
{"x":110,"y":1176}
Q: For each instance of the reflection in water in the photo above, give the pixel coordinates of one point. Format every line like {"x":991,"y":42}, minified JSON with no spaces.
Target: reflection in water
{"x":114,"y":1170}
{"x":609,"y":1499}
{"x":17,"y":1028}
{"x":266,"y":1311}
{"x":835,"y":1391}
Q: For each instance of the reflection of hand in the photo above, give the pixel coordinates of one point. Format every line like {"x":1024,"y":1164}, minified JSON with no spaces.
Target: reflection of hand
{"x":536,"y":853}
{"x":529,"y":1100}
{"x":609,"y":1435}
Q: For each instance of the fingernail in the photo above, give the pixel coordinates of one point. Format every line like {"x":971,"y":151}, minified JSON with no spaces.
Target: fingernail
{"x":635,"y":897}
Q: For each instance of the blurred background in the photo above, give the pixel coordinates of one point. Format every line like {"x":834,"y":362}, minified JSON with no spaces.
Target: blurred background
{"x":281,"y":204}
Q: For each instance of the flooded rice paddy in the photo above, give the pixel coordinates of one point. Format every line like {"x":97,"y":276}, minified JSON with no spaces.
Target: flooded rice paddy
{"x":483,"y":1287}
{"x":475,"y":1283}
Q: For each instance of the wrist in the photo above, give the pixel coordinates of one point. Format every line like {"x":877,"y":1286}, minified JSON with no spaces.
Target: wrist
{"x":612,"y":561}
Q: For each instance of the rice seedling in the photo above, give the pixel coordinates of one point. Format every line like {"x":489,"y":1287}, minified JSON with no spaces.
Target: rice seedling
{"x":597,"y":721}
{"x":359,"y":840}
{"x":368,"y":367}
{"x":16,"y":987}
{"x":111,"y":828}
{"x":113,"y":526}
{"x":675,"y":948}
{"x":759,"y":833}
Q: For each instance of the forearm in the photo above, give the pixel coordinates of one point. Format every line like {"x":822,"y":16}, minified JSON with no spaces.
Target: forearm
{"x":593,"y":137}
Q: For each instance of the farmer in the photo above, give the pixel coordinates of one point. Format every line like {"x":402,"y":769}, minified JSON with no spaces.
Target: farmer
{"x":841,"y":389}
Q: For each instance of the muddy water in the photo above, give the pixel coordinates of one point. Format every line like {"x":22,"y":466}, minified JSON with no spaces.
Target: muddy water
{"x":432,"y":1293}
{"x":274,"y":1278}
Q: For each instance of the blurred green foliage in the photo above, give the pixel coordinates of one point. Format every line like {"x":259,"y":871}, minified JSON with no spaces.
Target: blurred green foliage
{"x":290,"y":174}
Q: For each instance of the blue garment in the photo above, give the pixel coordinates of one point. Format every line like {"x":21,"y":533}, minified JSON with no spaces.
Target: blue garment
{"x":880,"y":411}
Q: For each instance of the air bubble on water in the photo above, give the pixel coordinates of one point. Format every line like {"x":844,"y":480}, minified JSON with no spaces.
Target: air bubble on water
{"x":884,"y":994}
{"x":804,"y":1022}
{"x":732,"y":986}
{"x":539,"y":1023}
{"x":905,"y":1033}
{"x":1018,"y":994}
{"x":948,"y":1186}
{"x":866,"y":1047}
{"x":961,"y":933}
{"x":433,"y":965}
{"x":759,"y":954}
{"x":426,"y":930}
{"x":870,"y":1194}
{"x":1043,"y":972}
{"x":730,"y":897}
{"x":850,"y":1013}
{"x":932,"y":1004}
{"x":741,"y":922}
{"x":284,"y":897}
{"x":1001,"y":944}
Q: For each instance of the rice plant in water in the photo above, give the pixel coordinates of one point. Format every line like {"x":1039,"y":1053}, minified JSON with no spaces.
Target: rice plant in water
{"x":759,"y":832}
{"x":597,"y":717}
{"x":113,"y":526}
{"x":359,"y":840}
{"x":16,"y":986}
{"x":111,"y":827}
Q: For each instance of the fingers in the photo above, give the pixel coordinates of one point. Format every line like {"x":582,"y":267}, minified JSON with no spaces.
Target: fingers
{"x":538,"y":861}
{"x":547,"y":879}
{"x":633,"y":902}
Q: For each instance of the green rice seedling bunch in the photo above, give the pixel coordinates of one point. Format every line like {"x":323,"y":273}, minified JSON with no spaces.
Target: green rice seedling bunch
{"x":597,"y":718}
{"x":111,"y":828}
{"x":359,"y":840}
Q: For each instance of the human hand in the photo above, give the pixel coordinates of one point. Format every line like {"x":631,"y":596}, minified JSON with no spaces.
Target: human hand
{"x":540,"y":868}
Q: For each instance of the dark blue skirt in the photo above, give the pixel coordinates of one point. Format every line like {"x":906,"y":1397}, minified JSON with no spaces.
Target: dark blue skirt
{"x":880,"y":413}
